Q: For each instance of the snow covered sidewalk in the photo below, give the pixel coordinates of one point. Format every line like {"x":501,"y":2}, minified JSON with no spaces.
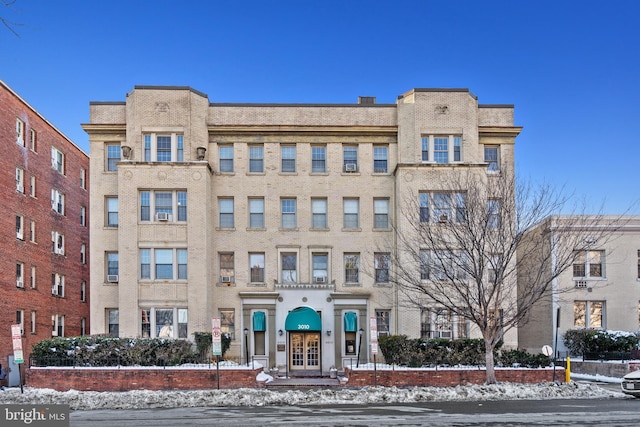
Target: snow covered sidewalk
{"x":143,"y":399}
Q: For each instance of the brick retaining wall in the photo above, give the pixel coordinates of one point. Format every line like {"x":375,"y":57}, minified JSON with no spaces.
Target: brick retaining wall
{"x":125,"y":379}
{"x":447,"y":377}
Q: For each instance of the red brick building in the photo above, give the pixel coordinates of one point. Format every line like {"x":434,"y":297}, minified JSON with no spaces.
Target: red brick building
{"x":44,"y":234}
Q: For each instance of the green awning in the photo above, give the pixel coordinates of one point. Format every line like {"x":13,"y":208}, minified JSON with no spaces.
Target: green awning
{"x":350,"y":321}
{"x":258,"y":321}
{"x":303,"y":319}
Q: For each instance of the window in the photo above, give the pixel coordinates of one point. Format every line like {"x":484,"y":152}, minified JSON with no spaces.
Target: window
{"x":163,"y":147}
{"x":113,"y":156}
{"x":588,"y":264}
{"x":33,"y":140}
{"x":33,"y":277}
{"x":19,"y":275}
{"x":83,"y":216}
{"x":57,"y":160}
{"x":32,"y":232}
{"x":57,"y":285}
{"x":112,"y":211}
{"x":33,"y":322}
{"x":20,"y":320}
{"x":491,"y":157}
{"x":256,"y":212}
{"x":638,"y":263}
{"x":381,"y":263}
{"x":57,"y":243}
{"x":256,"y":158}
{"x":226,"y":158}
{"x":20,"y":180}
{"x":381,"y":213}
{"x":443,"y":265}
{"x":20,"y":227}
{"x":493,"y":213}
{"x":380,"y":159}
{"x":288,"y":155}
{"x":352,"y":268}
{"x":164,"y":323}
{"x":227,"y":268}
{"x":588,"y":314}
{"x":83,"y":291}
{"x":382,"y":322}
{"x":289,"y":263}
{"x":351,"y":213}
{"x":288,"y":207}
{"x":226,"y":213}
{"x":112,"y":267}
{"x":320,"y":267}
{"x":83,"y":253}
{"x":161,"y":322}
{"x":83,"y":178}
{"x":20,"y":132}
{"x":32,"y":186}
{"x":113,"y":322}
{"x":57,"y":325}
{"x":318,"y":159}
{"x":164,"y":204}
{"x":228,"y":322}
{"x":166,"y":263}
{"x":256,"y":266}
{"x":57,"y":201}
{"x":441,"y":148}
{"x":442,"y":323}
{"x":83,"y":326}
{"x":442,"y":207}
{"x":350,"y":158}
{"x":319,"y":213}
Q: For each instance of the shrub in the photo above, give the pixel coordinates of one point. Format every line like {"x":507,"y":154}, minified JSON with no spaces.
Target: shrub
{"x":110,"y":351}
{"x":581,"y":341}
{"x":204,"y":341}
{"x":523,"y":359}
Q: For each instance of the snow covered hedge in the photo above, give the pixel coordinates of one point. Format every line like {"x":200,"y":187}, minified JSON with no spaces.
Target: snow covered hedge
{"x":110,"y":351}
{"x":582,"y":341}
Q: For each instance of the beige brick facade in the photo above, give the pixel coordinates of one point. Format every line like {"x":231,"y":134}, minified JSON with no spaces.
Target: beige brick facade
{"x":213,"y":167}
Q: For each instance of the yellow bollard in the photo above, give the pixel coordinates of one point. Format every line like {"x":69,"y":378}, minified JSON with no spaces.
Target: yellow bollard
{"x":567,"y":371}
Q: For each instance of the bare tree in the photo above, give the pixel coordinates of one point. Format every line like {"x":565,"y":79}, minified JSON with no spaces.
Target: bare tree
{"x":6,"y":22}
{"x":456,"y":249}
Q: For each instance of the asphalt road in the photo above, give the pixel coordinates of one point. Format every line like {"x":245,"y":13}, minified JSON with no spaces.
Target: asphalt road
{"x":576,"y":412}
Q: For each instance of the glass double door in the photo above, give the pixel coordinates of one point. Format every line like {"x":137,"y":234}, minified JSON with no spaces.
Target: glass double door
{"x":304,"y":350}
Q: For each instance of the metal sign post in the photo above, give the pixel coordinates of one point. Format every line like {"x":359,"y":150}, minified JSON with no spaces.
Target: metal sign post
{"x":18,"y":355}
{"x":216,"y":344}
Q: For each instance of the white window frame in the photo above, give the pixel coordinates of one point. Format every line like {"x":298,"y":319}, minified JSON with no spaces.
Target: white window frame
{"x":381,"y":213}
{"x":148,"y":257}
{"x":20,"y":275}
{"x":454,"y":153}
{"x":257,"y":265}
{"x":226,"y":163}
{"x":347,"y":258}
{"x":57,"y":243}
{"x":432,"y":209}
{"x":32,"y":186}
{"x":227,"y":271}
{"x":319,"y":207}
{"x":32,"y":232}
{"x":111,"y":202}
{"x":57,"y":285}
{"x":318,"y":159}
{"x":589,"y":313}
{"x":320,"y":275}
{"x":288,"y":155}
{"x":256,"y":163}
{"x":83,"y":253}
{"x":20,"y":126}
{"x":57,"y":325}
{"x":585,"y":259}
{"x":33,"y":140}
{"x":351,"y":211}
{"x":57,"y":201}
{"x":150,"y":146}
{"x":288,"y":276}
{"x":256,"y":212}
{"x":151,"y":327}
{"x":175,"y":211}
{"x":33,"y":321}
{"x":226,"y":209}
{"x":83,"y":178}
{"x":19,"y":227}
{"x":350,"y":165}
{"x":381,"y":154}
{"x":83,"y":216}
{"x":288,"y":216}
{"x":20,"y":320}
{"x":381,"y":264}
{"x":493,"y":164}
{"x":57,"y":160}
{"x":33,"y":277}
{"x":20,"y":180}
{"x":111,"y":162}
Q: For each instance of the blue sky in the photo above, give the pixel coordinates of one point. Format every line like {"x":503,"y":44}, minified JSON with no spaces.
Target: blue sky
{"x":572,"y":68}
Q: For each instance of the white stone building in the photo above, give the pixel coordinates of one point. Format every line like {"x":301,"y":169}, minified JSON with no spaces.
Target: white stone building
{"x":276,"y":218}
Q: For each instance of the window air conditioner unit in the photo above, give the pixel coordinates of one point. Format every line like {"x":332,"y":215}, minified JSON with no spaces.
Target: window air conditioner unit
{"x":162,"y":216}
{"x":19,"y":283}
{"x":20,"y":188}
{"x":226,"y":279}
{"x":112,"y":278}
{"x":350,"y":167}
{"x":443,"y":218}
{"x":320,"y":279}
{"x":54,"y":333}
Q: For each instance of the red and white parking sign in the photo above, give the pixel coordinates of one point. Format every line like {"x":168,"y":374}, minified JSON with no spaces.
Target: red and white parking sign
{"x":16,"y":338}
{"x":373,"y":331}
{"x":216,"y":337}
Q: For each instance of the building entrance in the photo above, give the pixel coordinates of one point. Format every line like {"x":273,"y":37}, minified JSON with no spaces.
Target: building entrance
{"x":304,"y":351}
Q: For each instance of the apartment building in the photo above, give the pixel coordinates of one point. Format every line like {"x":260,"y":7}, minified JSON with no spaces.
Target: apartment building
{"x":278,"y":219}
{"x":600,"y":290}
{"x":45,"y":234}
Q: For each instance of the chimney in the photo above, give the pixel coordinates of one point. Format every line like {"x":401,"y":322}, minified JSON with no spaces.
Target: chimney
{"x":366,"y":100}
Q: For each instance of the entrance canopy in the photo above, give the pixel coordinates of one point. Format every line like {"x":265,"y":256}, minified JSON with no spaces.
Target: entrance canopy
{"x":303,"y":319}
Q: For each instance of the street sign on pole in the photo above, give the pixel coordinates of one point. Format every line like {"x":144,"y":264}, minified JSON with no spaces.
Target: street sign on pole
{"x":16,"y":338}
{"x":373,"y":331}
{"x":216,"y":337}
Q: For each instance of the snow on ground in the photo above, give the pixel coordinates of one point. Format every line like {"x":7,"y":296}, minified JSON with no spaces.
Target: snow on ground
{"x":144,"y":399}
